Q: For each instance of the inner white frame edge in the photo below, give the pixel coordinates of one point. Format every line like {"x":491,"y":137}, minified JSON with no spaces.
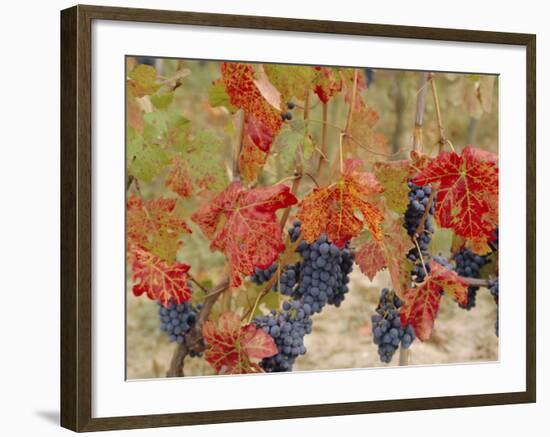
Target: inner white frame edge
{"x":113,"y":396}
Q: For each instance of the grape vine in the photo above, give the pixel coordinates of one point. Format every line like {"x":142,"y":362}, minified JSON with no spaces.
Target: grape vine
{"x":280,"y":188}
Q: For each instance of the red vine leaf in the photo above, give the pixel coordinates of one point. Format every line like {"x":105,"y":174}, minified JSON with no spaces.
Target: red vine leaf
{"x":422,"y":302}
{"x":232,"y":347}
{"x":327,"y":83}
{"x":466,"y":182}
{"x":242,"y":224}
{"x":244,"y":93}
{"x":258,"y":133}
{"x":154,"y":225}
{"x":158,"y":279}
{"x":370,"y":258}
{"x":342,"y":209}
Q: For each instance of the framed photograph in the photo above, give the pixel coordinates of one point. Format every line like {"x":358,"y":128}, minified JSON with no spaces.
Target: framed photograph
{"x":268,"y":218}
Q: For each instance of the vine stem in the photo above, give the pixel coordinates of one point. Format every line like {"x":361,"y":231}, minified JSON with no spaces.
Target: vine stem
{"x":298,"y":172}
{"x":419,"y":115}
{"x":238,"y":148}
{"x":404,"y":355}
{"x":420,"y":255}
{"x":193,"y":339}
{"x":442,"y":139}
{"x":323,"y":151}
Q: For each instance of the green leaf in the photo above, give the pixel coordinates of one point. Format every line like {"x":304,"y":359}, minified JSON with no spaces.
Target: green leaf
{"x":149,"y":161}
{"x":134,"y":143}
{"x":217,"y":96}
{"x":143,"y":80}
{"x":162,"y":100}
{"x":165,"y":126}
{"x":442,"y":241}
{"x":287,"y":143}
{"x":270,"y":302}
{"x":204,"y":157}
{"x":291,"y":81}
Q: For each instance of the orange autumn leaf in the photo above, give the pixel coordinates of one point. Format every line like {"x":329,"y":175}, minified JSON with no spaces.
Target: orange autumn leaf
{"x":422,"y":302}
{"x":363,"y":136}
{"x":390,"y":252}
{"x":243,"y":92}
{"x":342,"y":209}
{"x":251,"y":161}
{"x":159,"y":280}
{"x":235,"y":349}
{"x":178,"y":179}
{"x":242,"y":224}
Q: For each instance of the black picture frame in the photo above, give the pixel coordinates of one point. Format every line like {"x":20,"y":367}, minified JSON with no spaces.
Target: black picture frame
{"x":76,"y":217}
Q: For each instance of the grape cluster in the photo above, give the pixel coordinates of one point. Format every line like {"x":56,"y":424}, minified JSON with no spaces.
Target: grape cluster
{"x":260,"y":276}
{"x":288,"y":329}
{"x":321,"y":277}
{"x":323,"y":274}
{"x":176,"y":320}
{"x":418,"y":202}
{"x":493,"y":288}
{"x":468,"y":264}
{"x":387,"y":330}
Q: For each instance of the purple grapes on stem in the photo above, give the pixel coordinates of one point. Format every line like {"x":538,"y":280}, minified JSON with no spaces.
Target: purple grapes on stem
{"x":388,"y":333}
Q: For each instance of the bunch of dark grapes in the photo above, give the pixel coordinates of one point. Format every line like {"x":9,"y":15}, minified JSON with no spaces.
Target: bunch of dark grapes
{"x":387,"y":330}
{"x":176,"y":320}
{"x":418,"y":202}
{"x":493,"y":288}
{"x":468,"y":264}
{"x":323,"y":274}
{"x":321,"y":277}
{"x":261,"y":276}
{"x":288,"y":329}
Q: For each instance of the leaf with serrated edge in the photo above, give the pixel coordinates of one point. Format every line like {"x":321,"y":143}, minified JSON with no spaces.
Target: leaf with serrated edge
{"x":242,"y":224}
{"x":244,"y":93}
{"x":153,"y":225}
{"x":251,"y":161}
{"x":422,"y":302}
{"x":292,"y":81}
{"x":464,"y":184}
{"x":370,"y":259}
{"x":159,"y":280}
{"x":232,"y":347}
{"x":327,"y":83}
{"x":203,"y":157}
{"x":142,"y":80}
{"x":390,"y":252}
{"x":217,"y":96}
{"x":178,"y":179}
{"x":373,"y":145}
{"x":342,"y":209}
{"x":393,"y":175}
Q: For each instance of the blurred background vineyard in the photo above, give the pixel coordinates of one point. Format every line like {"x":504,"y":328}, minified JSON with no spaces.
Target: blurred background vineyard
{"x":341,"y":337}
